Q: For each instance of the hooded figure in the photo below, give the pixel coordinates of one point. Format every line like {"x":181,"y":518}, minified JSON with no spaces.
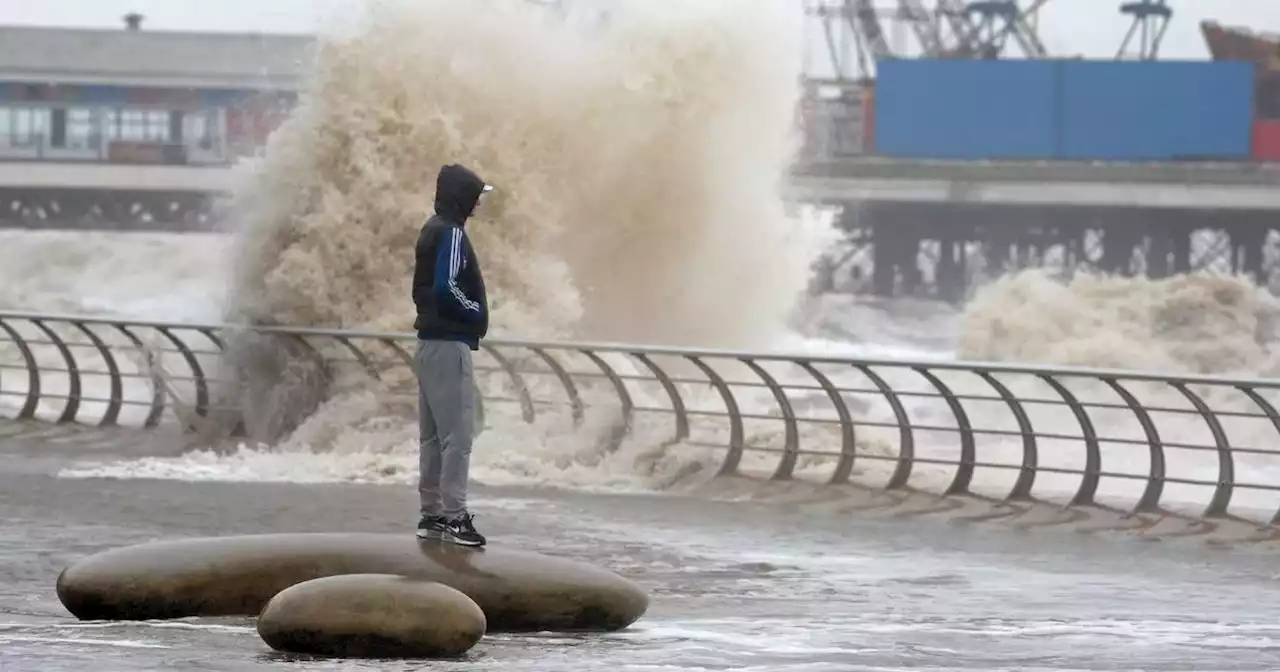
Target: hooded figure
{"x":448,"y":288}
{"x":453,"y":316}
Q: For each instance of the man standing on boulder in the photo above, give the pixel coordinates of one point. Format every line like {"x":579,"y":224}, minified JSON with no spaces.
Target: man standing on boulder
{"x":453,"y":315}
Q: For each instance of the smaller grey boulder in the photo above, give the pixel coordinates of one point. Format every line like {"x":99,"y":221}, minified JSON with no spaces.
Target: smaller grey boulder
{"x":372,"y":616}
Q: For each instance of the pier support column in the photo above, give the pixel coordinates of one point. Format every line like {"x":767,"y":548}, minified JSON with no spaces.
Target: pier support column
{"x":950,"y":276}
{"x":883,"y":274}
{"x":1119,"y":240}
{"x":1247,"y":241}
{"x":1181,"y":243}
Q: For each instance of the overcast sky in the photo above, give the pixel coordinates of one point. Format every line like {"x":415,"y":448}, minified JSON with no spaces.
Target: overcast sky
{"x":1089,"y":27}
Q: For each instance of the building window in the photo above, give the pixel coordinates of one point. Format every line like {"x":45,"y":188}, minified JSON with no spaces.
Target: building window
{"x":80,"y":128}
{"x":23,"y":126}
{"x":201,"y":129}
{"x":138,"y":125}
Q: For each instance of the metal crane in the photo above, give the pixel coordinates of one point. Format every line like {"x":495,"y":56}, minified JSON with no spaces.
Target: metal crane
{"x":1150,"y":21}
{"x":984,"y":27}
{"x":924,"y":24}
{"x":854,"y":32}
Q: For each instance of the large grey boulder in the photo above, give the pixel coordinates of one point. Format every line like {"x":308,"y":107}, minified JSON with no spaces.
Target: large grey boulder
{"x":236,"y":576}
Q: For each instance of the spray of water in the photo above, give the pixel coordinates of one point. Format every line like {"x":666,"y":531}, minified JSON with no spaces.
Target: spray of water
{"x":637,"y":167}
{"x":1202,"y":323}
{"x":113,"y":273}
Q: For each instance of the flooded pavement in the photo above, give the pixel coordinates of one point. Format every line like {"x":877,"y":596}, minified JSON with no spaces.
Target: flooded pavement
{"x":733,"y":585}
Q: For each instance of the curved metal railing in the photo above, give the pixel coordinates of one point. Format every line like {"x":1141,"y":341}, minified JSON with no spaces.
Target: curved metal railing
{"x":1145,"y":446}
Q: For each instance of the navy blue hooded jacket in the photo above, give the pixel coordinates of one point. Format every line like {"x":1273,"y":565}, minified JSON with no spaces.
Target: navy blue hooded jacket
{"x":448,"y":288}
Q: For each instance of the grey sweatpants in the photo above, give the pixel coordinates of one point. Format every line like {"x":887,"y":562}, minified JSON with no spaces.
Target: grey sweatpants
{"x":446,"y":406}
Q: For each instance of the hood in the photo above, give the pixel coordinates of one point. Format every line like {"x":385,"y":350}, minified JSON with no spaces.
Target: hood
{"x":457,"y":192}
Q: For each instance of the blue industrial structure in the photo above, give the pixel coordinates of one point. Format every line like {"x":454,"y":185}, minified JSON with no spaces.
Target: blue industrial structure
{"x":962,"y":93}
{"x":1064,"y":110}
{"x":1155,"y":111}
{"x":965,"y":109}
{"x":980,"y":107}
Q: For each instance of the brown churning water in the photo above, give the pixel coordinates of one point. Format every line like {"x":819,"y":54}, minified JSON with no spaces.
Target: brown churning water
{"x":638,"y":162}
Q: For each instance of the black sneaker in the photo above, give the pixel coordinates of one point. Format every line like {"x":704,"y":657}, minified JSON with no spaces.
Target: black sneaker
{"x":431,"y":527}
{"x":462,"y":531}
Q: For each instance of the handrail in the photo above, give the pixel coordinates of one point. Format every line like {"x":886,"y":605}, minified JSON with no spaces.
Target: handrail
{"x":597,"y":346}
{"x":1148,"y":447}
